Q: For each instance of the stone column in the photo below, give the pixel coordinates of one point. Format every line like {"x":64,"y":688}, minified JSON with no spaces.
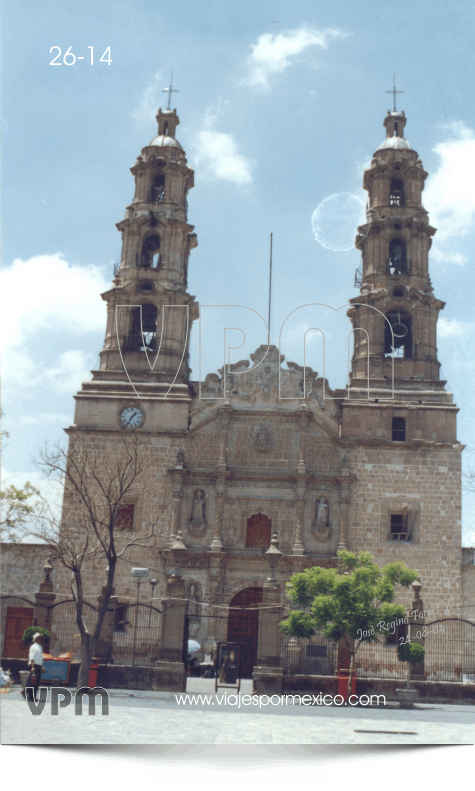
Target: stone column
{"x":298,"y":547}
{"x":216,"y":543}
{"x":44,"y":599}
{"x":104,"y":644}
{"x":215,"y":596}
{"x":415,"y":626}
{"x":344,"y":500}
{"x":268,"y":673}
{"x":170,"y":671}
{"x":177,"y":495}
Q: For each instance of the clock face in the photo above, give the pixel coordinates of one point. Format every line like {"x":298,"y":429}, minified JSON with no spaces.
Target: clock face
{"x":131,"y":417}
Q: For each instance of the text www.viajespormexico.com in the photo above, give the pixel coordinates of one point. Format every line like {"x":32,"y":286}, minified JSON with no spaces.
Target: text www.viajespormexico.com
{"x":279,"y":700}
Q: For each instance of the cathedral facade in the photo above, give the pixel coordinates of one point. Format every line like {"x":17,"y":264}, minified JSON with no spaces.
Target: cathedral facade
{"x":264,"y":446}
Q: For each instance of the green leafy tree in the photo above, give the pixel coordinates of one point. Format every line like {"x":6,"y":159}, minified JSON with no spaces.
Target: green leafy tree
{"x":17,"y":509}
{"x":410,"y":652}
{"x":32,"y":630}
{"x":356,"y":605}
{"x":16,"y":505}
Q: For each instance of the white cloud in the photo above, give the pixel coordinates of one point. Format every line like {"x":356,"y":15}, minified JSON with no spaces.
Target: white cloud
{"x":217,"y":154}
{"x":55,"y":296}
{"x":44,"y":418}
{"x":150,"y":99}
{"x":274,"y":53}
{"x":453,"y":328}
{"x":52,"y":293}
{"x":440,"y":256}
{"x":449,"y":195}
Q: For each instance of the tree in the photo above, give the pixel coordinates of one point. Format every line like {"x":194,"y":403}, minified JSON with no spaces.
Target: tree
{"x":90,"y":527}
{"x":410,"y":652}
{"x":16,"y":512}
{"x":356,"y":605}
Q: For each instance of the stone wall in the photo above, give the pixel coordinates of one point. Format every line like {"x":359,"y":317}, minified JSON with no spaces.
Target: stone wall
{"x":22,"y":568}
{"x":425,"y":483}
{"x":468,"y":583}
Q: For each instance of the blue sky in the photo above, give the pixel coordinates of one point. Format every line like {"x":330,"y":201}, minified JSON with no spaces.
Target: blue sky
{"x":281,"y":107}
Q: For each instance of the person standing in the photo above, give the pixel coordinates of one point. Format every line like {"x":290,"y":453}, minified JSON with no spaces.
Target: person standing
{"x":35,"y":661}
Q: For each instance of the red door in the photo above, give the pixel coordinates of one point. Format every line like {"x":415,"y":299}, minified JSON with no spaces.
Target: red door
{"x":18,"y":619}
{"x":243,"y":625}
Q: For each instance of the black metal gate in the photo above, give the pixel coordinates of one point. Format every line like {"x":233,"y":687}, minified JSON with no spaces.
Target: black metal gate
{"x":136,"y":636}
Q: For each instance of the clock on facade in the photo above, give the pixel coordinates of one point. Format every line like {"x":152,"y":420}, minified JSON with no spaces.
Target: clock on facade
{"x":131,"y":417}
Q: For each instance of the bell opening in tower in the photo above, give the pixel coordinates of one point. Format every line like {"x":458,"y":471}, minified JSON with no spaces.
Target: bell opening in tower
{"x":150,"y":257}
{"x":143,"y":331}
{"x":396,"y":193}
{"x":397,"y":261}
{"x":398,"y":335}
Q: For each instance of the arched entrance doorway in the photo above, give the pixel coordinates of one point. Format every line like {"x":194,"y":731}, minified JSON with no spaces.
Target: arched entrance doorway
{"x":243,"y":625}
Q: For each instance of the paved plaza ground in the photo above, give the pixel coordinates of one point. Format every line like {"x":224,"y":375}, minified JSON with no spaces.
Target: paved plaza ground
{"x":156,"y":718}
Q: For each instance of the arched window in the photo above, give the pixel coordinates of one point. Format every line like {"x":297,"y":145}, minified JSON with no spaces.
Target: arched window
{"x":151,"y":252}
{"x":400,"y":339}
{"x":158,"y":189}
{"x":143,"y":332}
{"x":397,"y":261}
{"x":396,"y":193}
{"x":258,"y":531}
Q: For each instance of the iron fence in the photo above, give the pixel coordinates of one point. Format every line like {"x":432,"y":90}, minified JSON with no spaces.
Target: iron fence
{"x":312,"y":656}
{"x":379,"y":660}
{"x":63,"y":626}
{"x":450,"y":649}
{"x":135,"y":640}
{"x":449,"y":654}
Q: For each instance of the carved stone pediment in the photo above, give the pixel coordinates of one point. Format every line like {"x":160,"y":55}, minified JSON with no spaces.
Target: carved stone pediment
{"x":265,"y":380}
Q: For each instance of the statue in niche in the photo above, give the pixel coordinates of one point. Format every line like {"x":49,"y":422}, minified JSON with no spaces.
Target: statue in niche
{"x":198,"y":507}
{"x":321,"y":519}
{"x":321,"y":527}
{"x":180,"y":459}
{"x":193,"y":601}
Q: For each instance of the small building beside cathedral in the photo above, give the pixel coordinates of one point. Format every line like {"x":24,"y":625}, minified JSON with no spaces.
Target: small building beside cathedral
{"x":266,"y":446}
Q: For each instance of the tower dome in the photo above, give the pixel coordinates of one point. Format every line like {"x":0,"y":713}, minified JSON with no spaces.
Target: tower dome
{"x":165,"y":140}
{"x":394,"y":142}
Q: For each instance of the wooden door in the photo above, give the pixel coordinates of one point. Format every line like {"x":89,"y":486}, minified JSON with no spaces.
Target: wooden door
{"x":258,"y":531}
{"x":243,"y":626}
{"x":18,"y":619}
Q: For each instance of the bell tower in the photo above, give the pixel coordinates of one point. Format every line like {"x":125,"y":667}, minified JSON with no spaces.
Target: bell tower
{"x":394,"y":278}
{"x":149,"y":310}
{"x":395,"y":315}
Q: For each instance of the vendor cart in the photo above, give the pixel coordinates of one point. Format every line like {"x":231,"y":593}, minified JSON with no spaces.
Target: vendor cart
{"x":56,"y":668}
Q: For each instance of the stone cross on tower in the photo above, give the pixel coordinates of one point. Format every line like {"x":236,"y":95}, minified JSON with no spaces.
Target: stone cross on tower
{"x":171,"y":90}
{"x":393,"y":91}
